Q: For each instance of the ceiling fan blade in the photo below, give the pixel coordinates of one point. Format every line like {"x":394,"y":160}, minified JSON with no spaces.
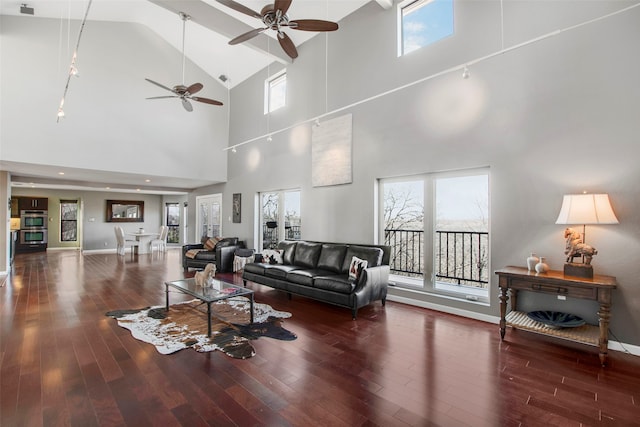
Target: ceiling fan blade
{"x":240,"y":8}
{"x":246,"y":36}
{"x":196,"y":87}
{"x":313,"y":25}
{"x":158,"y":84}
{"x":282,"y":5}
{"x":206,"y":100}
{"x":163,"y":97}
{"x":287,"y":45}
{"x":187,"y":105}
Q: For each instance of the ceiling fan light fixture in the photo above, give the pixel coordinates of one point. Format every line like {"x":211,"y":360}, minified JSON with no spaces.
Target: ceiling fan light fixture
{"x":185,"y":93}
{"x":274,"y":17}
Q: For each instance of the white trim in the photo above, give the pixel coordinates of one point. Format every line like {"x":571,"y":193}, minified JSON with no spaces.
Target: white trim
{"x":445,"y":309}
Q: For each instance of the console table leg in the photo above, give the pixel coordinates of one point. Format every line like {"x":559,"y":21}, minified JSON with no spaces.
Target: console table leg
{"x":604,"y":315}
{"x":503,"y":311}
{"x":166,"y":290}
{"x":251,"y":308}
{"x":209,"y":319}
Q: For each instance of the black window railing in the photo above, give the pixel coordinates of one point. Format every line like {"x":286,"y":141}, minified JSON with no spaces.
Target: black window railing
{"x":270,"y":234}
{"x":460,"y":257}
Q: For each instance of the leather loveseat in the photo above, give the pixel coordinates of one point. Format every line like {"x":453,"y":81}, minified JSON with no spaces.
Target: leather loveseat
{"x":320,"y":271}
{"x":221,"y":255}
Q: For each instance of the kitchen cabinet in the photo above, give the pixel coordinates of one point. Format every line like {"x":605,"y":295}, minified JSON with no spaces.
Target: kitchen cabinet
{"x":31,"y":203}
{"x":15,"y":209}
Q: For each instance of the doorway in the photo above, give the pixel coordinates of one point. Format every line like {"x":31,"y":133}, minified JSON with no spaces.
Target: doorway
{"x":208,"y":216}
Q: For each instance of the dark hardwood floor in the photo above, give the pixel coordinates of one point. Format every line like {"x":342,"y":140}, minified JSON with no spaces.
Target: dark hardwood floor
{"x":63,"y":362}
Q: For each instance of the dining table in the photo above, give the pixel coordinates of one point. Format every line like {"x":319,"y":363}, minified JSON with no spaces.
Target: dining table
{"x":144,"y":240}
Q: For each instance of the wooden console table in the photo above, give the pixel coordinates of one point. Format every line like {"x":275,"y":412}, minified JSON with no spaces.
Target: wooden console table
{"x":598,"y":289}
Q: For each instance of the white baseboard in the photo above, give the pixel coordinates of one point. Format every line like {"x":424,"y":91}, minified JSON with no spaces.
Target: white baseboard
{"x":444,"y":308}
{"x":613,"y":345}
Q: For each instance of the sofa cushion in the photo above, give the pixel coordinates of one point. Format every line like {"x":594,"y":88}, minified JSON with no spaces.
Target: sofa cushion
{"x":255,"y":267}
{"x":289,"y":248}
{"x":305,"y":276}
{"x":373,"y":256}
{"x":307,"y":254}
{"x":278,"y":271}
{"x":227,"y":241}
{"x":336,"y":283}
{"x":331,"y":257}
{"x":206,"y":255}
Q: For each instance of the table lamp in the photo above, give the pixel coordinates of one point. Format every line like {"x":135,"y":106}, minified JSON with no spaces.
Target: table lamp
{"x":583,"y":209}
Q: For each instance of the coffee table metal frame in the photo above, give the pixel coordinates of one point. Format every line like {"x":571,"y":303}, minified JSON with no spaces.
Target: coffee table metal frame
{"x":220,"y":290}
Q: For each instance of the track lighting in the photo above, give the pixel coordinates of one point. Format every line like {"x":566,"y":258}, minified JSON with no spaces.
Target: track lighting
{"x":465,"y":73}
{"x":233,"y":150}
{"x":269,"y":138}
{"x":60,"y":113}
{"x":316,"y":123}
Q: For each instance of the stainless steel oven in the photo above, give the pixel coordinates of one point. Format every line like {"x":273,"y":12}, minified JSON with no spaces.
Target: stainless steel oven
{"x":33,"y":236}
{"x":33,"y":219}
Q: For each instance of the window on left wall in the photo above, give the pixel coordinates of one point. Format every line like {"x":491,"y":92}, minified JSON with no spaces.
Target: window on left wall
{"x":68,"y":220}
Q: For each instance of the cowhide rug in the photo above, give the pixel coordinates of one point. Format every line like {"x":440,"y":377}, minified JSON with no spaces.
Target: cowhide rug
{"x":185,"y":326}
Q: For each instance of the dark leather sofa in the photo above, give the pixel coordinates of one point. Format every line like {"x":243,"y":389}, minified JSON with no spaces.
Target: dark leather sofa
{"x":221,"y":255}
{"x":319,"y":270}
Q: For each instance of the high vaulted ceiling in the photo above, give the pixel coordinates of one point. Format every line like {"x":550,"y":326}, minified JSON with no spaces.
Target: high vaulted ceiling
{"x":208,"y":31}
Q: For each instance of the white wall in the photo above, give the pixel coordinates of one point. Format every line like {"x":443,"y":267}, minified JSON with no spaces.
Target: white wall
{"x":109,"y":125}
{"x":555,"y":117}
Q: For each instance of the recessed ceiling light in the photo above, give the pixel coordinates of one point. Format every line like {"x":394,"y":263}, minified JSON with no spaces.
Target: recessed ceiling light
{"x":137,"y":189}
{"x":60,"y":173}
{"x":147,"y":180}
{"x":108,"y":188}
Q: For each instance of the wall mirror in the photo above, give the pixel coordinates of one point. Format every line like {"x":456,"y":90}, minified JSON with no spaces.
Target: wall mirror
{"x":125,"y":211}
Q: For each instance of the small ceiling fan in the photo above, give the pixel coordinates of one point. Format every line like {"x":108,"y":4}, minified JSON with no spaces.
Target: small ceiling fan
{"x":274,"y":16}
{"x":185,"y":93}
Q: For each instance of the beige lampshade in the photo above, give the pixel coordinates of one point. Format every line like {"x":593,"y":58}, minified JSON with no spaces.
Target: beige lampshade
{"x":586,"y":209}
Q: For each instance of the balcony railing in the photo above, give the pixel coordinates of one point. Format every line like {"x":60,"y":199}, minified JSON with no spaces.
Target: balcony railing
{"x":460,"y":257}
{"x":270,"y":234}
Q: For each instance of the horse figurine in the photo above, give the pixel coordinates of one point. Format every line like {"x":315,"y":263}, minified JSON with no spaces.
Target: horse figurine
{"x":574,"y":246}
{"x":202,"y":277}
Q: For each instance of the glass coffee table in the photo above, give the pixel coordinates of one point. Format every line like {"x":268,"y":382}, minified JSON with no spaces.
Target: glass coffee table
{"x":218,"y":291}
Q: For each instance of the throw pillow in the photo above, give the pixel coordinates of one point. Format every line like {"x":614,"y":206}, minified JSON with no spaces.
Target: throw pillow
{"x":356,"y":267}
{"x":272,"y":256}
{"x":211,"y":243}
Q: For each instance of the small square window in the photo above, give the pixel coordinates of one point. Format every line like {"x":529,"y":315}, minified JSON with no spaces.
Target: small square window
{"x":422,"y":22}
{"x":275,"y":92}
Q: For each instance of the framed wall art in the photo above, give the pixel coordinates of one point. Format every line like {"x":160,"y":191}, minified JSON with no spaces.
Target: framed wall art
{"x":237,"y":207}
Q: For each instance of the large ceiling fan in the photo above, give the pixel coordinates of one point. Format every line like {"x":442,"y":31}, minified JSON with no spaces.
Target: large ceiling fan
{"x":185,"y":93}
{"x":274,"y":16}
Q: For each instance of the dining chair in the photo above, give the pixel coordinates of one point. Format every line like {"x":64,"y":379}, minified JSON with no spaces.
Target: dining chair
{"x":161,"y":241}
{"x":121,"y":242}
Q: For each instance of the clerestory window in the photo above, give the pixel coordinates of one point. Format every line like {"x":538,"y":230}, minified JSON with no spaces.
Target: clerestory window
{"x":275,"y":92}
{"x":423,"y":22}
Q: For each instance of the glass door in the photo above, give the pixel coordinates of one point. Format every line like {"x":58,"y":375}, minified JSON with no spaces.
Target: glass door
{"x":173,"y":222}
{"x":280,"y":217}
{"x":208,"y":216}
